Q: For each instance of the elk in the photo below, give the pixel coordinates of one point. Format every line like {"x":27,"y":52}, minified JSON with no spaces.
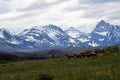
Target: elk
{"x":89,"y":55}
{"x":83,"y":55}
{"x":93,"y":54}
{"x":70,"y":56}
{"x":78,"y":56}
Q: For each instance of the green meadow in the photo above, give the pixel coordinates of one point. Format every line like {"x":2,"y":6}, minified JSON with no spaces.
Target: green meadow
{"x":95,"y":68}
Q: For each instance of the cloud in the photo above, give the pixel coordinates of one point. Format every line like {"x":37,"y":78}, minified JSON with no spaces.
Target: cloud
{"x":4,"y":8}
{"x":42,"y":4}
{"x":14,"y":4}
{"x":101,"y":10}
{"x":97,"y":1}
{"x":108,"y":11}
{"x":36,"y":5}
{"x":82,"y":14}
{"x":7,"y":0}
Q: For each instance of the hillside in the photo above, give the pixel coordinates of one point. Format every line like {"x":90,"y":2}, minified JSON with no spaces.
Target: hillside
{"x":100,"y":68}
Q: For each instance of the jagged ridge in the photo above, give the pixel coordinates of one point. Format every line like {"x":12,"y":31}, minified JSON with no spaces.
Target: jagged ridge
{"x":51,"y":36}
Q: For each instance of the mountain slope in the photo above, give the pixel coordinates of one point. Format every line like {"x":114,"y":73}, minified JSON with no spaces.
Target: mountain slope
{"x":51,"y":37}
{"x":59,"y":36}
{"x":105,"y":34}
{"x":36,"y":39}
{"x":45,"y":37}
{"x":81,"y":36}
{"x":8,"y":36}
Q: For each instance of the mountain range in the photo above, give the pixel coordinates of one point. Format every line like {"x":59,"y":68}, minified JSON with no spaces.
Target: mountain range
{"x":52,"y":37}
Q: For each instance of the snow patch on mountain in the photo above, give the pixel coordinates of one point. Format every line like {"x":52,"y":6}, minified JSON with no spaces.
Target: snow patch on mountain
{"x":93,"y":44}
{"x":14,"y":42}
{"x":101,"y":39}
{"x":83,"y":40}
{"x":81,"y":36}
{"x":1,"y":36}
{"x":30,"y":38}
{"x":102,"y":33}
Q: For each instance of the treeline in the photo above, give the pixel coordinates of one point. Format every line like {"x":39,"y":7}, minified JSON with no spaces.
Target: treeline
{"x":53,"y":53}
{"x":8,"y":57}
{"x":106,"y":50}
{"x":95,"y":52}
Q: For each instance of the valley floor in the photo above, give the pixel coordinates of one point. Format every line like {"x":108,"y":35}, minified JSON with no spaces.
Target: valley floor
{"x":100,"y":68}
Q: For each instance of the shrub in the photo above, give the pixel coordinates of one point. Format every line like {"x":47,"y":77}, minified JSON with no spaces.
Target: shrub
{"x":45,"y":77}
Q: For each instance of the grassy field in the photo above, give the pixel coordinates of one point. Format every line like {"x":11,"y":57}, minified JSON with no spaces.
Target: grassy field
{"x":100,"y":68}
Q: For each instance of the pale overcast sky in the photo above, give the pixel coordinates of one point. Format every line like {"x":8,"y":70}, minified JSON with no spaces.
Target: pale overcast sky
{"x":18,"y":15}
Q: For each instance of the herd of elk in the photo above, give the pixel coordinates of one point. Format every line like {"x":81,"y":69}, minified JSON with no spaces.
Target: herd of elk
{"x":70,"y":56}
{"x":81,"y":55}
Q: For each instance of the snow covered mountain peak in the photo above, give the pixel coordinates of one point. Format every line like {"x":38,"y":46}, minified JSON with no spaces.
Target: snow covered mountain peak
{"x":51,"y":26}
{"x":6,"y":34}
{"x":101,"y":22}
{"x":73,"y":32}
{"x":47,"y":35}
{"x":2,"y":29}
{"x":52,"y":36}
{"x":103,"y":26}
{"x":48,"y":27}
{"x":81,"y":36}
{"x":71,"y":28}
{"x":2,"y":32}
{"x":105,"y":34}
{"x":59,"y":36}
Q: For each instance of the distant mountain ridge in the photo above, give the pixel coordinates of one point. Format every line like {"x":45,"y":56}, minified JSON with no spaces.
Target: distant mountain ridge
{"x":51,"y":37}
